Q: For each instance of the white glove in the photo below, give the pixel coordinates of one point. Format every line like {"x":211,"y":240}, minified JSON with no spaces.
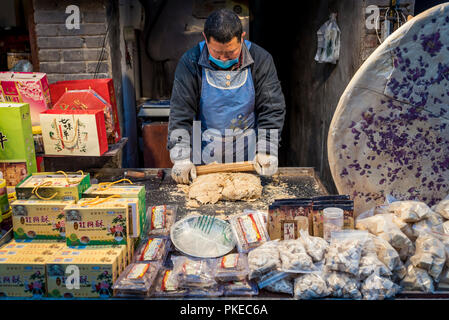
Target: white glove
{"x":265,"y":164}
{"x":181,"y":171}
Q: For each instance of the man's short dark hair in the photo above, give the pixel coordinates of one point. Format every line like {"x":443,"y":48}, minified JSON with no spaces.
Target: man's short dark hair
{"x":223,"y":25}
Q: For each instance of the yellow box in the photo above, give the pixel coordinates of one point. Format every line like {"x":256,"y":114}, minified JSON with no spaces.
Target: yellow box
{"x":23,"y":275}
{"x":117,"y":252}
{"x":101,"y":224}
{"x":32,"y":245}
{"x":96,"y":273}
{"x":39,"y":219}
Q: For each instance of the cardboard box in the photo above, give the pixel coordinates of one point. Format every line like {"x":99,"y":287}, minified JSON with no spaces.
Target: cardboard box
{"x":17,"y":154}
{"x":23,"y":274}
{"x":28,"y":87}
{"x":39,"y":219}
{"x":65,"y":190}
{"x":100,"y":224}
{"x":124,"y":191}
{"x":97,"y":275}
{"x":33,"y":245}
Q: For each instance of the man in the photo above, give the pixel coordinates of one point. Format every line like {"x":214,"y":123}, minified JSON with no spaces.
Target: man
{"x":231,"y":86}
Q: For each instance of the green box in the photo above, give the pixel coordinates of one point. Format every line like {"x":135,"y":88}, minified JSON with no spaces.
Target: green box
{"x":17,"y":154}
{"x":124,"y":191}
{"x":59,"y":186}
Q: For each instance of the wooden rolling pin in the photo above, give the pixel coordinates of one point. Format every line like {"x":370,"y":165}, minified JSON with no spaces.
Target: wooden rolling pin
{"x":246,"y":166}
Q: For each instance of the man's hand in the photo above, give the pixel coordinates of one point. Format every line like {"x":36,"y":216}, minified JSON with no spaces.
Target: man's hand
{"x":265,"y":164}
{"x":181,"y":171}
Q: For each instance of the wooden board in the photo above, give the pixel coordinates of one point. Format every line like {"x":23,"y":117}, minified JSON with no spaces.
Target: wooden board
{"x":390,"y":133}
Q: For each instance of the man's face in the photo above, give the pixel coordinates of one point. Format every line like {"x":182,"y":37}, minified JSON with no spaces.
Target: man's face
{"x":225,"y":51}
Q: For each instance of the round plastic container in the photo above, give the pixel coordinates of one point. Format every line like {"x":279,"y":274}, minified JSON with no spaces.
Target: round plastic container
{"x":332,"y":221}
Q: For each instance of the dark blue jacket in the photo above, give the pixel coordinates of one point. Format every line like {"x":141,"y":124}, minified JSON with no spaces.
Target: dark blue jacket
{"x":185,"y":98}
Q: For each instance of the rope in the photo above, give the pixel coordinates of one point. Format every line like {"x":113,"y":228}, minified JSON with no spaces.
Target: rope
{"x":43,"y":184}
{"x":106,"y":185}
{"x":73,"y":181}
{"x":102,"y":200}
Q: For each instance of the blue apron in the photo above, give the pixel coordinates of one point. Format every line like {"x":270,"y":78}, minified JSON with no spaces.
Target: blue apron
{"x":227,"y":102}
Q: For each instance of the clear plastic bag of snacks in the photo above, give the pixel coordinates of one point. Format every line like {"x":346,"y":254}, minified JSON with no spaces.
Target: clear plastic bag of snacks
{"x":232,"y":267}
{"x":161,"y":219}
{"x":249,"y":230}
{"x":153,"y":249}
{"x":136,"y":279}
{"x":211,"y":292}
{"x":264,"y":259}
{"x":195,"y":273}
{"x":244,"y":288}
{"x":167,"y":285}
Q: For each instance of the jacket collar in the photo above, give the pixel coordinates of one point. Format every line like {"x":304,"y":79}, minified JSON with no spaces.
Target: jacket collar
{"x":247,"y":59}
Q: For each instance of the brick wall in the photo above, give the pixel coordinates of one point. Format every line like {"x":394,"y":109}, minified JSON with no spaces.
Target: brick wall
{"x":72,"y":54}
{"x":370,"y":41}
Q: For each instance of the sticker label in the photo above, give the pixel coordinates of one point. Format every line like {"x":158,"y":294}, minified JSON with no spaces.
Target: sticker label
{"x":152,"y":249}
{"x":158,"y":217}
{"x":169,"y":282}
{"x":249,"y":228}
{"x":230,"y":261}
{"x":138,"y":271}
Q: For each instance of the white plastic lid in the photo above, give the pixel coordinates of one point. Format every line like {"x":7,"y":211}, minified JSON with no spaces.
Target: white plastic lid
{"x":333,"y":213}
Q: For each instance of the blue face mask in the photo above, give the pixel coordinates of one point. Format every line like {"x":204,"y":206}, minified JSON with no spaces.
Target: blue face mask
{"x":223,"y":64}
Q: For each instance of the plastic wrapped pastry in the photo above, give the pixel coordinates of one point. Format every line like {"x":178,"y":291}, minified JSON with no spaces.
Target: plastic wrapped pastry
{"x":430,"y":255}
{"x":409,"y":211}
{"x":294,"y":257}
{"x":370,"y":264}
{"x":442,"y":208}
{"x":433,"y":222}
{"x":315,"y":246}
{"x":417,"y":280}
{"x":343,"y":285}
{"x":264,"y":259}
{"x":310,"y":286}
{"x":282,"y":286}
{"x":167,"y":285}
{"x":240,"y":288}
{"x":389,"y":257}
{"x":378,"y":288}
{"x":194,"y":273}
{"x":232,"y":267}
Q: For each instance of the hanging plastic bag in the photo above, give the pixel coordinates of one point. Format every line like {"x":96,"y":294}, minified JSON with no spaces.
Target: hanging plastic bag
{"x":328,"y":41}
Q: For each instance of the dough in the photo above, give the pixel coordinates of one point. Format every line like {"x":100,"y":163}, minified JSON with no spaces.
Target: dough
{"x":210,"y":188}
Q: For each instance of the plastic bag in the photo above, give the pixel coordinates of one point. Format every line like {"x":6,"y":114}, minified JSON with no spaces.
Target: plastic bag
{"x":161,"y":219}
{"x":343,"y":285}
{"x":211,"y":292}
{"x":309,"y":286}
{"x":315,"y":246}
{"x":294,"y":257}
{"x":240,"y":288}
{"x":281,"y":286}
{"x":167,"y":285}
{"x":378,"y":288}
{"x":264,"y":259}
{"x":136,"y":279}
{"x":22,"y":66}
{"x":433,"y":222}
{"x":328,"y":41}
{"x":384,"y":227}
{"x":249,"y":230}
{"x":194,"y":273}
{"x":417,"y":280}
{"x":406,"y":228}
{"x":153,"y":249}
{"x":389,"y":257}
{"x":430,"y":255}
{"x":409,"y":211}
{"x":442,"y":208}
{"x":370,"y":264}
{"x":232,"y":267}
{"x":345,"y":251}
{"x":446,"y":227}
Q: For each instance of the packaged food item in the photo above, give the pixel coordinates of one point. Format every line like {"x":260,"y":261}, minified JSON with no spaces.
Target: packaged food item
{"x":345,"y":251}
{"x":294,"y":257}
{"x":264,"y":259}
{"x":409,"y":211}
{"x":210,"y":292}
{"x":194,"y":273}
{"x":370,"y":264}
{"x":316,"y":247}
{"x":378,"y":288}
{"x":284,"y":285}
{"x":136,"y":279}
{"x":240,"y":288}
{"x":442,"y":208}
{"x":96,"y":223}
{"x":17,"y":154}
{"x":53,"y":186}
{"x":153,"y":249}
{"x":133,"y":214}
{"x":417,"y":279}
{"x":383,"y":226}
{"x":249,"y":231}
{"x":287,"y":218}
{"x":343,"y":285}
{"x":407,"y":228}
{"x":97,"y":276}
{"x":433,"y":222}
{"x":127,"y":191}
{"x":310,"y":286}
{"x":232,"y":267}
{"x":161,"y":219}
{"x":430,"y":255}
{"x":23,"y":273}
{"x":167,"y":285}
{"x":389,"y":257}
{"x":332,"y":221}
{"x":39,"y":219}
